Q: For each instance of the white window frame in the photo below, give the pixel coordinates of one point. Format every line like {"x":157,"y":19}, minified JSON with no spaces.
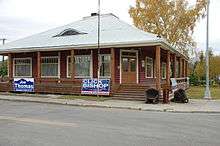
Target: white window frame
{"x":58,"y":75}
{"x":165,"y":73}
{"x":152,"y":67}
{"x":91,"y":67}
{"x":100,"y":55}
{"x":29,"y":58}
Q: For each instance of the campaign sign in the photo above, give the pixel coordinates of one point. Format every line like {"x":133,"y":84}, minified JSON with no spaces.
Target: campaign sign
{"x":174,"y":83}
{"x":23,"y":84}
{"x":92,"y":87}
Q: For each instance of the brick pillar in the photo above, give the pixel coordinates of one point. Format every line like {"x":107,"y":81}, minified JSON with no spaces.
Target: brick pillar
{"x":113,"y":65}
{"x":166,"y":96}
{"x":186,"y":69}
{"x":158,"y":75}
{"x":174,"y":66}
{"x":183,"y":68}
{"x":72,"y":65}
{"x":38,"y":66}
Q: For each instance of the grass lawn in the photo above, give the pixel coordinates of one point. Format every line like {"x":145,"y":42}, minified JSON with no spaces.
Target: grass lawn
{"x":197,"y":92}
{"x":93,"y":98}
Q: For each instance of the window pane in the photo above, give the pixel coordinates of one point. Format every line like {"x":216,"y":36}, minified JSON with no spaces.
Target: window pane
{"x":149,"y":71}
{"x":82,"y":66}
{"x":22,"y":70}
{"x":177,"y":69}
{"x":163,"y":70}
{"x":49,"y":67}
{"x":149,"y":67}
{"x":68,"y":67}
{"x":133,"y":65}
{"x":125,"y":64}
{"x":22,"y":67}
{"x":105,"y":65}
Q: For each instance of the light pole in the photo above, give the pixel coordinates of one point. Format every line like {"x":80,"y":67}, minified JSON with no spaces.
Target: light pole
{"x":207,"y":89}
{"x":98,"y":70}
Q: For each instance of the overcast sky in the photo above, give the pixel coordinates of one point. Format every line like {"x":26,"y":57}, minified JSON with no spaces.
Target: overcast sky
{"x":21,"y":18}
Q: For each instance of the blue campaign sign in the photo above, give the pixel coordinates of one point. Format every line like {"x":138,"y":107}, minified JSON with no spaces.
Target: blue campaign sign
{"x":24,"y":84}
{"x":91,"y":86}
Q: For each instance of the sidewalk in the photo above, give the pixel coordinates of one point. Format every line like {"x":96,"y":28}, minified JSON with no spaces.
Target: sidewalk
{"x":194,"y":106}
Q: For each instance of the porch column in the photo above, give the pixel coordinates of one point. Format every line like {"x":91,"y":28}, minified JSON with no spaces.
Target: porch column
{"x":158,"y":75}
{"x":174,"y":66}
{"x":113,"y":65}
{"x":186,"y":69}
{"x":72,"y":65}
{"x":166,"y":97}
{"x":184,"y":75}
{"x":38,"y":66}
{"x":10,"y":66}
{"x":181,"y":67}
{"x":168,"y":68}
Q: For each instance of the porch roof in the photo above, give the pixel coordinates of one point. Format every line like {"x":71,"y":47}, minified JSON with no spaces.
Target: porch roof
{"x":114,"y":33}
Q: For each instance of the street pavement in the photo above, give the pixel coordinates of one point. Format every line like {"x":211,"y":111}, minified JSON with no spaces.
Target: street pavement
{"x":37,"y":124}
{"x":194,"y":105}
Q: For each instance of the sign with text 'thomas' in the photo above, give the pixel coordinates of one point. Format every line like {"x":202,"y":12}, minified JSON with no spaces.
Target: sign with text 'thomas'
{"x":23,"y":84}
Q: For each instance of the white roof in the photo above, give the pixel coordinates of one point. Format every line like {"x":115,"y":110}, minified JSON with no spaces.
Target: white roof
{"x":114,"y":33}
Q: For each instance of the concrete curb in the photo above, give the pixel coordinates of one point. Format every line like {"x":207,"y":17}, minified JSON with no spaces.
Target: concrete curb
{"x":97,"y":105}
{"x":27,"y":95}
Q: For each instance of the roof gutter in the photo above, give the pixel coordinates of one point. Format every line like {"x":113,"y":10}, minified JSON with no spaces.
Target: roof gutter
{"x":159,"y":42}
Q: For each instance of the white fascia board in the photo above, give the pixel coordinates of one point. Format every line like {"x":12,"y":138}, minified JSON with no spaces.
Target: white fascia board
{"x":160,"y":42}
{"x":84,"y":46}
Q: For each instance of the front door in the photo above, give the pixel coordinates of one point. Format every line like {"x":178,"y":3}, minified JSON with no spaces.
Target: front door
{"x":129,"y":67}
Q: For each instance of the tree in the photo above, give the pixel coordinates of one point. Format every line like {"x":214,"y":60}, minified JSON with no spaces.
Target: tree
{"x":201,"y":56}
{"x":3,"y":69}
{"x":174,"y":20}
{"x":214,"y":68}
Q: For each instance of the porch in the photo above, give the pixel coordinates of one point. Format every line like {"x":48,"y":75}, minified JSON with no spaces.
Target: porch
{"x":131,"y":70}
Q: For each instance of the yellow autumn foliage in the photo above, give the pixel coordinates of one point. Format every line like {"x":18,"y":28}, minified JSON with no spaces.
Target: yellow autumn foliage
{"x":173,"y":20}
{"x":214,"y":68}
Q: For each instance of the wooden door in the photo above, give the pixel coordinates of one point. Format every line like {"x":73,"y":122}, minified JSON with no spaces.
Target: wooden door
{"x":129,"y":68}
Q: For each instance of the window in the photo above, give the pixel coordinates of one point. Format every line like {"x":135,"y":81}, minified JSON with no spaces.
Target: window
{"x":50,"y":66}
{"x":163,"y":70}
{"x":132,"y":64}
{"x":149,"y":67}
{"x":125,"y":64}
{"x":105,"y":65}
{"x":22,"y":67}
{"x":177,"y":69}
{"x":172,"y":70}
{"x":82,"y":66}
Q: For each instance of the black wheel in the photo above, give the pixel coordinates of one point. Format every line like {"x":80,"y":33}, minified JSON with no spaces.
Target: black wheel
{"x":156,"y":100}
{"x":186,"y":100}
{"x":147,"y":101}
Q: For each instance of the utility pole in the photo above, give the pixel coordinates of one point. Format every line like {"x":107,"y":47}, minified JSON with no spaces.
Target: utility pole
{"x":98,"y":70}
{"x":207,"y":89}
{"x":3,"y":43}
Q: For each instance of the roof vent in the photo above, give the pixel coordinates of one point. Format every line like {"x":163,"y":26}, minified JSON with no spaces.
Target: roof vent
{"x":94,"y":14}
{"x":158,"y":36}
{"x":69,"y":32}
